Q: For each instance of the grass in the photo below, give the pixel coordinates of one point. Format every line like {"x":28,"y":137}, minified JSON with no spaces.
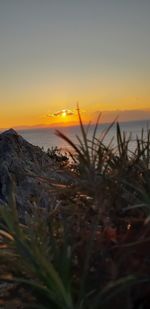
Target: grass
{"x":74,"y":255}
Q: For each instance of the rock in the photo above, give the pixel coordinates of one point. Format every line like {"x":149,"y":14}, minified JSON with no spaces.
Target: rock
{"x":25,"y":164}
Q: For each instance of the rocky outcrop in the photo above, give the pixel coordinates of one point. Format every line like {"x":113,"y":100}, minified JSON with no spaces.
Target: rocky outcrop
{"x":25,"y":165}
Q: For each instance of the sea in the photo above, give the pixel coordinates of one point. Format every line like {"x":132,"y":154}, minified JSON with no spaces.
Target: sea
{"x":46,"y":137}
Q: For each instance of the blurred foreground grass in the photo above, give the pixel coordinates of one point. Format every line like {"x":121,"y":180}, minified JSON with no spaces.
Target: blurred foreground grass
{"x":91,"y":248}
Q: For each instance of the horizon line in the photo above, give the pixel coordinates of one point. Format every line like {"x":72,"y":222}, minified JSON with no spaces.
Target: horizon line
{"x":126,"y":115}
{"x":45,"y":126}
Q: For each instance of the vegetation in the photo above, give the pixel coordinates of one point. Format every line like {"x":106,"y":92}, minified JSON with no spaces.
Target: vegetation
{"x":90,"y":249}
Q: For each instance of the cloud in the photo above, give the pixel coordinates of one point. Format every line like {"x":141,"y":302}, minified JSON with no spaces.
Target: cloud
{"x":63,"y":112}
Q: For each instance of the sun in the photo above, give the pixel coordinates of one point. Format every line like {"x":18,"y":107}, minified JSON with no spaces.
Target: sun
{"x":64,"y":114}
{"x":63,"y":117}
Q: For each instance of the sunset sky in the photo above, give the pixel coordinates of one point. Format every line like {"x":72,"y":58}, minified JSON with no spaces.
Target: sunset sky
{"x":54,"y":53}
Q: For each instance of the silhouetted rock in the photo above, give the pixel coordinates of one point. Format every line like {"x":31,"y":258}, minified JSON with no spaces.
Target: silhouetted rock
{"x":25,"y":164}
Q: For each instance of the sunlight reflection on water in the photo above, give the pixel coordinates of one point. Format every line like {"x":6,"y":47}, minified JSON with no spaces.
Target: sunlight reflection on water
{"x":46,"y":137}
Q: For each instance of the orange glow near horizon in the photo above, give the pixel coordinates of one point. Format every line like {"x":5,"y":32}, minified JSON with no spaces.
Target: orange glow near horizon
{"x":69,"y":117}
{"x":40,"y":108}
{"x":32,"y":108}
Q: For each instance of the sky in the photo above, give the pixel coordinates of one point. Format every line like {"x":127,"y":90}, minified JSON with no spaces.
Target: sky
{"x":54,"y":53}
